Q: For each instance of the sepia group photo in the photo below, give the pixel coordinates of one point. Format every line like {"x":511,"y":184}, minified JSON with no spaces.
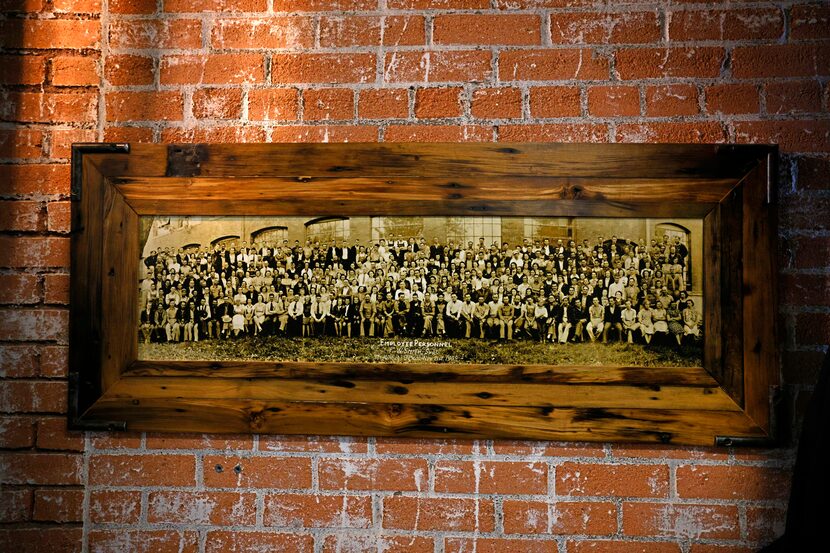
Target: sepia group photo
{"x":516,"y":290}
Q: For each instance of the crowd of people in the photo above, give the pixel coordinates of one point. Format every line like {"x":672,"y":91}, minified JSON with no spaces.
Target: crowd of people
{"x":548,"y":290}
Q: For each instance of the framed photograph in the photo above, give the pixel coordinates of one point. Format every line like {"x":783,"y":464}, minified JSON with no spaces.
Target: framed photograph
{"x":543,"y":291}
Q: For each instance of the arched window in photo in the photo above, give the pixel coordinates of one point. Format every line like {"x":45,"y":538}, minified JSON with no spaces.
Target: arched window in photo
{"x":555,"y":228}
{"x":191,"y":248}
{"x":270,"y":235}
{"x":328,"y":229}
{"x":462,"y":230}
{"x":397,"y":228}
{"x":228,"y":240}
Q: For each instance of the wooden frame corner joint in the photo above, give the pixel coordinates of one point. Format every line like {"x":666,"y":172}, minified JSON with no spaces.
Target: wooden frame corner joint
{"x":79,"y":150}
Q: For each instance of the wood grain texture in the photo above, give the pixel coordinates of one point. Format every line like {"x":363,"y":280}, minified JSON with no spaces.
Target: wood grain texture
{"x":397,"y":419}
{"x":459,"y":195}
{"x":760,"y":335}
{"x":723,"y":184}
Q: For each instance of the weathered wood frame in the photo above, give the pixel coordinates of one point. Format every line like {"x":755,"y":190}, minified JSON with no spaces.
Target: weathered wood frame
{"x":730,"y":401}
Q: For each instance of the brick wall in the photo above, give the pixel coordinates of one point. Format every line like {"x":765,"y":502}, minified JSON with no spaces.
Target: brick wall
{"x":391,"y":70}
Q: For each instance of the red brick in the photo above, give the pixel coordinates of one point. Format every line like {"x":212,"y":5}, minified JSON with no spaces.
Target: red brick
{"x":273,"y":104}
{"x":18,"y":361}
{"x":564,"y":132}
{"x":437,"y":66}
{"x":328,"y":103}
{"x":560,"y":518}
{"x":386,"y":103}
{"x":805,"y":212}
{"x":144,"y":541}
{"x":129,"y":70}
{"x":313,"y":444}
{"x":373,"y":474}
{"x":583,"y":479}
{"x":764,"y":524}
{"x":496,"y":103}
{"x":812,"y":329}
{"x":813,"y":173}
{"x":35,"y":324}
{"x":23,"y":6}
{"x":671,"y":100}
{"x":59,"y":505}
{"x":805,"y":290}
{"x":404,"y":30}
{"x":77,"y":6}
{"x":323,"y":133}
{"x":21,"y":143}
{"x":54,"y":361}
{"x":145,"y":106}
{"x":732,"y":482}
{"x":142,"y":470}
{"x":132,"y":7}
{"x":589,"y":546}
{"x":324,"y":5}
{"x":373,"y":542}
{"x":60,"y":141}
{"x":198,"y":6}
{"x":499,"y":545}
{"x":16,"y":432}
{"x":63,"y":539}
{"x":809,"y":21}
{"x":680,"y":132}
{"x":114,"y":507}
{"x":217,"y":508}
{"x":552,"y":65}
{"x":20,"y":216}
{"x":345,"y":31}
{"x":34,"y":179}
{"x":274,"y":32}
{"x":213,"y":134}
{"x":605,"y":28}
{"x":50,"y":33}
{"x":128,"y":134}
{"x":428,"y":513}
{"x":322,"y":68}
{"x":801,"y":367}
{"x":416,"y":446}
{"x":659,"y":63}
{"x":33,"y":396}
{"x":59,"y":217}
{"x":491,"y":477}
{"x":438,"y":133}
{"x":733,"y":24}
{"x":513,"y":29}
{"x":681,"y":521}
{"x":217,"y":103}
{"x":791,"y":136}
{"x":238,"y":542}
{"x":780,"y":60}
{"x":731,"y":99}
{"x":34,"y":252}
{"x":213,"y":69}
{"x":652,"y":451}
{"x":432,"y":103}
{"x":811,"y":252}
{"x":26,"y":69}
{"x":121,"y":440}
{"x":712,"y":548}
{"x":50,"y":107}
{"x":198,"y":441}
{"x":53,"y":434}
{"x":44,"y":469}
{"x":613,"y":101}
{"x":74,"y":71}
{"x":15,"y":505}
{"x":438,"y":4}
{"x":317,"y":511}
{"x":257,"y":472}
{"x":793,"y":97}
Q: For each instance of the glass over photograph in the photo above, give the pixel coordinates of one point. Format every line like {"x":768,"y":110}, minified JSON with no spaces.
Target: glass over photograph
{"x":491,"y":290}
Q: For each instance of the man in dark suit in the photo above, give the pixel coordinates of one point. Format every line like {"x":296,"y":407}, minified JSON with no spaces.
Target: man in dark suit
{"x":613,"y":319}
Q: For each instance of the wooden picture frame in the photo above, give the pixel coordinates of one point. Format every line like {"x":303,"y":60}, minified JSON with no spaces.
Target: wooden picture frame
{"x":729,"y":401}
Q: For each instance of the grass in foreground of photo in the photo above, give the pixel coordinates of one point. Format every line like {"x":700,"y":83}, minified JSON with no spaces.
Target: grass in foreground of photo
{"x":428,"y":350}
